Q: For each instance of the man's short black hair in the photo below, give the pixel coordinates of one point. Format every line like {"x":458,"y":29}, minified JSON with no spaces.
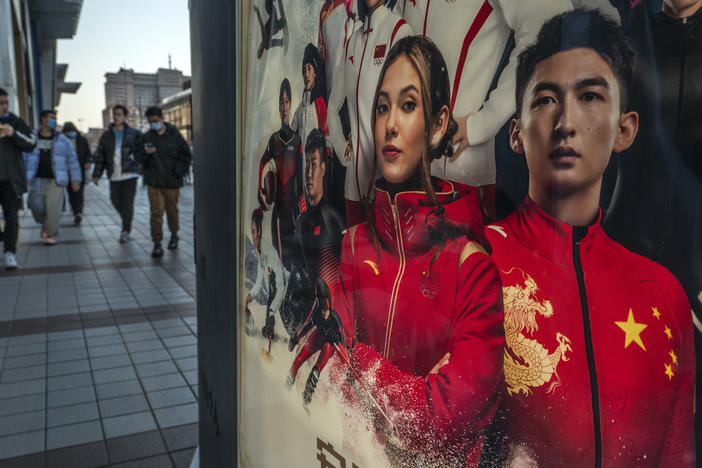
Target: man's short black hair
{"x":257,"y":218}
{"x":46,"y":112}
{"x":316,"y":141}
{"x":3,"y":92}
{"x":572,"y":30}
{"x":125,"y":112}
{"x":363,"y":8}
{"x":154,"y":110}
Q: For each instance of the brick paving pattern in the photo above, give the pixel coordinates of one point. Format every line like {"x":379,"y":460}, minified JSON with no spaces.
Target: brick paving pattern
{"x":98,"y":344}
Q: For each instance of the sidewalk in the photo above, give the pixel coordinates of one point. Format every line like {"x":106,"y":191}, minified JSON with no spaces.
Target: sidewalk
{"x":98,"y":347}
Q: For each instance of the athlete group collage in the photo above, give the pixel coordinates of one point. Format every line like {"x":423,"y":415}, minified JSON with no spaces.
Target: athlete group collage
{"x":475,"y":232}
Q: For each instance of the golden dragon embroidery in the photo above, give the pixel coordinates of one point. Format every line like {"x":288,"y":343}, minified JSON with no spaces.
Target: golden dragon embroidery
{"x":532,"y":365}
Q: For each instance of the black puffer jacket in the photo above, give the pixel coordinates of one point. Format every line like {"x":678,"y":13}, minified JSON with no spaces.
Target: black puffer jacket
{"x":11,"y":148}
{"x":170,"y":163}
{"x":131,"y":149}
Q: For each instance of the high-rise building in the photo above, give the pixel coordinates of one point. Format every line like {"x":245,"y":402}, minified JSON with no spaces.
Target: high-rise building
{"x":138,"y":91}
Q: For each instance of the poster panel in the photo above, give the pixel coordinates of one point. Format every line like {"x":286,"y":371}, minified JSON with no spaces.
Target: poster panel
{"x":404,"y":305}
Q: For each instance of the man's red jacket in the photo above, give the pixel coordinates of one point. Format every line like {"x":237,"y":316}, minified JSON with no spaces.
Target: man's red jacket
{"x":426,"y":291}
{"x":592,"y":329}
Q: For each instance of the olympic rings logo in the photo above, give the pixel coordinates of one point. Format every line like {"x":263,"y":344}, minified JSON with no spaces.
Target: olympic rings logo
{"x":426,"y":291}
{"x":378,"y":61}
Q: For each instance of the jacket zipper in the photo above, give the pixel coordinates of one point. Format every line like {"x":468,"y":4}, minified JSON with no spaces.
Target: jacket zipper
{"x":578,"y":235}
{"x":358,"y":123}
{"x":396,"y":285}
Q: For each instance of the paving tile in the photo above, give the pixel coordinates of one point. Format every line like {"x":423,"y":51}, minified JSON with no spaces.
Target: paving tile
{"x":25,"y":461}
{"x":173,"y":331}
{"x":155,"y":368}
{"x":22,"y":444}
{"x":66,"y":344}
{"x":63,"y":382}
{"x":71,"y":396}
{"x":123,"y":405}
{"x":161,"y":324}
{"x":109,"y":350}
{"x":70,"y":367}
{"x":162,"y":382}
{"x":23,"y":350}
{"x":117,"y":389}
{"x":181,"y":437}
{"x":27,"y":339}
{"x":23,"y":373}
{"x":187,"y":364}
{"x":72,"y":414}
{"x":177,"y":415}
{"x":170,"y":397}
{"x":143,"y":357}
{"x":103,"y":340}
{"x":100,"y":331}
{"x":23,"y":404}
{"x":64,"y":335}
{"x":23,"y":422}
{"x":136,"y":446}
{"x":74,"y":434}
{"x":68,"y":355}
{"x":183,"y":458}
{"x":160,"y":461}
{"x":183,"y":351}
{"x":149,"y":345}
{"x":27,"y":387}
{"x":106,"y":362}
{"x":135,"y":327}
{"x":128,"y":424}
{"x":115,"y":374}
{"x":24,"y":361}
{"x":140,"y":336}
{"x":180,"y":341}
{"x":78,"y":456}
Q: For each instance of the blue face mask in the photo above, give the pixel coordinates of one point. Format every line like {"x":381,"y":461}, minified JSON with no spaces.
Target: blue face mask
{"x":155,"y":126}
{"x":52,"y":124}
{"x":4,"y":116}
{"x":72,"y":135}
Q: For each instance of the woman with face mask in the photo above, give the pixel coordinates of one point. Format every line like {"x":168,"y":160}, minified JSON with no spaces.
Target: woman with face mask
{"x":82,"y":149}
{"x":421,"y":293}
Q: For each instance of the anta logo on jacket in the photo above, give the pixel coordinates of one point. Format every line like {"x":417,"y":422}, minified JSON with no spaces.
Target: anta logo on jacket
{"x":599,"y":361}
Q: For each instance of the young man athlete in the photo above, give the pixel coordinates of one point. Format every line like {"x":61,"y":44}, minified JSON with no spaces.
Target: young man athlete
{"x":599,"y":362}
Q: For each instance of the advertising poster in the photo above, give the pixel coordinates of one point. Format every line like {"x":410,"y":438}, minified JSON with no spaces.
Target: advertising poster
{"x":403,"y":304}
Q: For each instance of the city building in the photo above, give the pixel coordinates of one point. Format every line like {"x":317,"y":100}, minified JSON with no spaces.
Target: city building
{"x":29,"y":72}
{"x":138,"y":91}
{"x":177,"y":110}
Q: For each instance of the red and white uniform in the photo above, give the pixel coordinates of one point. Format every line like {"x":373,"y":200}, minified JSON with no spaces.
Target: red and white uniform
{"x":472,"y":35}
{"x":336,"y":25}
{"x":423,"y":294}
{"x":311,"y":113}
{"x":365,"y":56}
{"x":599,"y":355}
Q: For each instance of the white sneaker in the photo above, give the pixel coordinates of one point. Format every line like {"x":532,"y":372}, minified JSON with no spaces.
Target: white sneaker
{"x":10,"y":261}
{"x":124,"y":237}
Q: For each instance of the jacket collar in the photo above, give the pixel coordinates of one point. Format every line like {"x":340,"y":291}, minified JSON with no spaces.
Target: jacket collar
{"x":371,"y":22}
{"x":551,"y":238}
{"x":409,"y":222}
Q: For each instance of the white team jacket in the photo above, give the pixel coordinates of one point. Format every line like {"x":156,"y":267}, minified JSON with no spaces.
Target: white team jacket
{"x":335,"y":30}
{"x":365,"y":55}
{"x":269,"y":263}
{"x":472,"y":35}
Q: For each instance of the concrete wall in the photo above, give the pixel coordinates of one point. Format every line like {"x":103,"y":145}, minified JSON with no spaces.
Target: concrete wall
{"x":8,"y":78}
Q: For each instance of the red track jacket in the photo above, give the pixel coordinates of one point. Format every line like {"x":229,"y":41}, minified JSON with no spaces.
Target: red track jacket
{"x":416,"y":299}
{"x":592,"y":329}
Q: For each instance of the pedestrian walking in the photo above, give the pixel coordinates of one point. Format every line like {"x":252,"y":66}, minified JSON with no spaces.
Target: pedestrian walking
{"x":15,"y":137}
{"x":118,"y":148}
{"x":48,"y":167}
{"x":166,"y":159}
{"x":82,"y":149}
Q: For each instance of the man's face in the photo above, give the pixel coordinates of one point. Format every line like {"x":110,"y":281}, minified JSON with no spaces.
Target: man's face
{"x":373,"y":4}
{"x":45,"y":120}
{"x":4,"y":105}
{"x":570,"y":123}
{"x":308,"y":76}
{"x":256,"y":236}
{"x":284,"y":108}
{"x":154,"y":119}
{"x":314,"y":177}
{"x":117,"y":116}
{"x":687,"y":7}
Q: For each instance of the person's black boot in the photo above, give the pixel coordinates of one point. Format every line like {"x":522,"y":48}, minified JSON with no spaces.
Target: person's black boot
{"x":267,"y":330}
{"x":158,"y":250}
{"x":310,"y":386}
{"x":173,"y":243}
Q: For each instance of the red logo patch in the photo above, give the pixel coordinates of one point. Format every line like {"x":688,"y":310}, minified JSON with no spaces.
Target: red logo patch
{"x":351,"y":58}
{"x":317,"y":230}
{"x":633,"y":3}
{"x":379,"y":51}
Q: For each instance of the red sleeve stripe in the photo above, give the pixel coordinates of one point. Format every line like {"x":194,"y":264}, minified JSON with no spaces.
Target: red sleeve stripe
{"x":398,"y":25}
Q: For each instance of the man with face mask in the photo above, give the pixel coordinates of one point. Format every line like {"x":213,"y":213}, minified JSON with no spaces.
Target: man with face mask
{"x":15,"y":137}
{"x":82,"y":149}
{"x":166,"y":159}
{"x":48,"y":169}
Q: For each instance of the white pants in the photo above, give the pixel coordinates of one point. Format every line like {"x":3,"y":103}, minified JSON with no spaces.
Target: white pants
{"x":45,"y":200}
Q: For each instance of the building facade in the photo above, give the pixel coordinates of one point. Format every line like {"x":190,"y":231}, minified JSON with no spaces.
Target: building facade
{"x":138,"y":91}
{"x":177,"y":110}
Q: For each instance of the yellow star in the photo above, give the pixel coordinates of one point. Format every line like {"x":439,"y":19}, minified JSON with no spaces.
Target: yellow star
{"x":667,"y":332}
{"x":673,"y":357}
{"x":656,"y":313}
{"x":632,"y":330}
{"x":669,"y":371}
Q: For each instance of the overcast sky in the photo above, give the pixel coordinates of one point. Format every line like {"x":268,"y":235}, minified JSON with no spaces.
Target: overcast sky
{"x":133,"y":34}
